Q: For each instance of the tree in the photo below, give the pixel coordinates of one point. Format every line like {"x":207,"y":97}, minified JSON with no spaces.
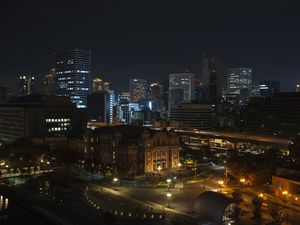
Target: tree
{"x":257,"y":215}
{"x":237,"y":199}
{"x":278,"y":215}
{"x":294,"y":149}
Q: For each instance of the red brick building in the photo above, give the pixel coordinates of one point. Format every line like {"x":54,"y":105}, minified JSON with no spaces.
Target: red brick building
{"x":135,"y":149}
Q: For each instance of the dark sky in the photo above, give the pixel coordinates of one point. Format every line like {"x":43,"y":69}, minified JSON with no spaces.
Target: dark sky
{"x":152,"y":38}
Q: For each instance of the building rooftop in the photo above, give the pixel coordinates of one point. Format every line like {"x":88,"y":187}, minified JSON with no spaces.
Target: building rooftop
{"x":39,"y":100}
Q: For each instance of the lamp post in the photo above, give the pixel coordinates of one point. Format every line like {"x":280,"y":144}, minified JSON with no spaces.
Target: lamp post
{"x":179,"y":165}
{"x":159,"y":169}
{"x":195,"y":167}
{"x":169,"y":195}
{"x":169,"y":181}
{"x":221,"y":183}
{"x":243,"y":180}
{"x":115,"y":182}
{"x":284,"y":194}
{"x":294,"y":208}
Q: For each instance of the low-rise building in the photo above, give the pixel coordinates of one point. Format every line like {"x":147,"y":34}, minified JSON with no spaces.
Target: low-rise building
{"x":192,"y":115}
{"x":36,"y":116}
{"x":136,"y":150}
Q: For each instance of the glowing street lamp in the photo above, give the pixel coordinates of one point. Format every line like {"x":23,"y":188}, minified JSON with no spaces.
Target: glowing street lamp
{"x":179,"y":165}
{"x":284,"y":193}
{"x":115,"y":182}
{"x":169,"y":195}
{"x":243,"y":181}
{"x":169,"y":181}
{"x":261,"y":195}
{"x":159,"y":168}
{"x":221,"y":183}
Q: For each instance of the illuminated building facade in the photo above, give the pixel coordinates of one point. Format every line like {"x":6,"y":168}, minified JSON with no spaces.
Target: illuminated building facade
{"x":239,"y":83}
{"x":99,"y":85}
{"x":269,"y":87}
{"x":124,"y":97}
{"x":137,"y":150}
{"x":73,"y":75}
{"x":181,"y":88}
{"x":26,"y":85}
{"x":49,"y":83}
{"x":126,"y":111}
{"x":138,"y":89}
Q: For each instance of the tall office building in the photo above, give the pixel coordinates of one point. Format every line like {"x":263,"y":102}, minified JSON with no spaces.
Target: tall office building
{"x":156,"y":90}
{"x":3,"y":94}
{"x":156,"y":96}
{"x":181,"y":88}
{"x":100,"y":85}
{"x":298,"y":87}
{"x":269,"y":87}
{"x":138,"y":89}
{"x":239,"y":83}
{"x":212,"y":79}
{"x":255,"y":90}
{"x":49,"y":83}
{"x":73,"y":75}
{"x":26,"y":85}
{"x":100,"y":106}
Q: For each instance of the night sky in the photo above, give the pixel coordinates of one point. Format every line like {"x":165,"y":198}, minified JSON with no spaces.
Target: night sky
{"x":150,"y":39}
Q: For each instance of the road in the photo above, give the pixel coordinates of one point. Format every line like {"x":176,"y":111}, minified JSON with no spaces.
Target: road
{"x":249,"y":137}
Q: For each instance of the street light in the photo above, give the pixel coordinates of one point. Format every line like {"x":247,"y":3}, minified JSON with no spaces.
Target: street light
{"x":284,"y":193}
{"x":115,"y":182}
{"x":169,"y":195}
{"x":261,"y":195}
{"x":294,"y":209}
{"x":243,"y":181}
{"x":221,"y":183}
{"x":159,"y":169}
{"x":169,"y":181}
{"x":179,"y":165}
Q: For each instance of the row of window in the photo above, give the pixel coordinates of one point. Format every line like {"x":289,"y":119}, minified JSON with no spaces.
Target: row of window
{"x":72,"y":71}
{"x":57,"y":129}
{"x":58,"y":120}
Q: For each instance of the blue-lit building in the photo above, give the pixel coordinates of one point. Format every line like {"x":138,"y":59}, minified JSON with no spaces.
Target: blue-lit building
{"x":73,"y":75}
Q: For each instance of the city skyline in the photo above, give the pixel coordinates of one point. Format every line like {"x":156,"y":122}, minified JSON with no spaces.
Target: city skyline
{"x":152,"y":47}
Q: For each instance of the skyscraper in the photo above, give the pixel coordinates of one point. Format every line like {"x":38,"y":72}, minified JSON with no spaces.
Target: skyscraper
{"x":156,"y":90}
{"x":212,"y":79}
{"x":26,"y":85}
{"x":181,"y":88}
{"x":100,"y":85}
{"x":239,"y":83}
{"x":269,"y":87}
{"x":3,"y":94}
{"x":138,"y":89}
{"x":73,"y":75}
{"x":49,"y":83}
{"x":100,"y":106}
